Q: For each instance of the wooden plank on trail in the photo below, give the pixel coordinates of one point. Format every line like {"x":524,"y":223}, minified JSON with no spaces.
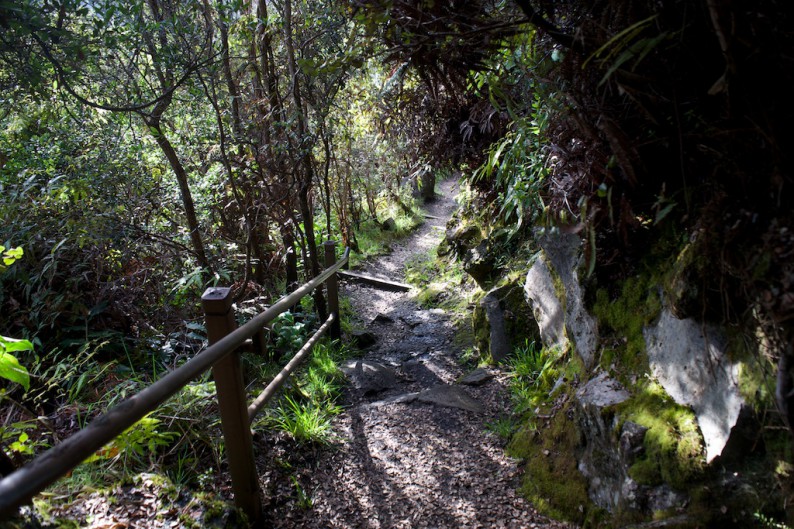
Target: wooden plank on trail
{"x":375,"y":281}
{"x":432,"y":217}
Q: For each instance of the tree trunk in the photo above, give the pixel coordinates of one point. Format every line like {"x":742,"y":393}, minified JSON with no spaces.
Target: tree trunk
{"x":327,"y":181}
{"x":230,"y":84}
{"x":156,"y":131}
{"x":305,"y":168}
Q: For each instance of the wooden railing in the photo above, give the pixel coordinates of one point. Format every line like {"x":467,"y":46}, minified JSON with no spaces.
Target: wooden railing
{"x":223,"y":357}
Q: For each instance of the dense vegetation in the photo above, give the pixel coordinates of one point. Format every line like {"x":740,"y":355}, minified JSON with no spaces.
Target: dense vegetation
{"x":149,"y":149}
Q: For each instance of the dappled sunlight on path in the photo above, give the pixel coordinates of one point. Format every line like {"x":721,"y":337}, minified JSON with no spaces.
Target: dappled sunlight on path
{"x":404,"y":461}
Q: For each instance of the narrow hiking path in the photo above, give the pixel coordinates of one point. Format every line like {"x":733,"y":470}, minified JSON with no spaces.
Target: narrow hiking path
{"x":414,"y":451}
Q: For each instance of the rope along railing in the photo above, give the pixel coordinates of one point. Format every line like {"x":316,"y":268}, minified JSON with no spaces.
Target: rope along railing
{"x":236,"y":415}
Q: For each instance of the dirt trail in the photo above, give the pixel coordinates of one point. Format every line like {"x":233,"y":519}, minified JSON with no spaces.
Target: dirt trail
{"x":404,"y":462}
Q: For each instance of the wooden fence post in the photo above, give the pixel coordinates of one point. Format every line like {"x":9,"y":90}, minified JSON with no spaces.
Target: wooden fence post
{"x":292,"y":270}
{"x":332,"y":289}
{"x":228,"y":375}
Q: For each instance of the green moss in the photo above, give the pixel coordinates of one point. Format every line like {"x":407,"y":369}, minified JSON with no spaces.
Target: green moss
{"x":635,"y":308}
{"x":480,"y":329}
{"x":559,"y":286}
{"x":673,"y":443}
{"x":519,"y":320}
{"x":756,"y":382}
{"x":756,"y":370}
{"x":552,"y":482}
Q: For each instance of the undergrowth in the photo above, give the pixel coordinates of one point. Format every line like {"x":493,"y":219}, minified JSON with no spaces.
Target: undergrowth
{"x":181,"y":441}
{"x":375,"y":236}
{"x":540,"y":431}
{"x":308,"y":405}
{"x":441,"y":281}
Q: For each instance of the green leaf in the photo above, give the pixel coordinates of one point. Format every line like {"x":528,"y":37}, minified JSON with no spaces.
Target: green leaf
{"x":10,"y":369}
{"x":662,"y":213}
{"x":11,"y":345}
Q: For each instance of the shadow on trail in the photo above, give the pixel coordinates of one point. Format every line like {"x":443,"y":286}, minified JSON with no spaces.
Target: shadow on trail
{"x":405,"y":463}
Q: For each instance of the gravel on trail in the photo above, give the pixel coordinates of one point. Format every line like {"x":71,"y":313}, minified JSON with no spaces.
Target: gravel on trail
{"x":403,"y":461}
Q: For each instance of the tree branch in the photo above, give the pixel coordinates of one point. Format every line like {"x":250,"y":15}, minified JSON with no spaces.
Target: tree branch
{"x":559,"y":36}
{"x":63,"y":82}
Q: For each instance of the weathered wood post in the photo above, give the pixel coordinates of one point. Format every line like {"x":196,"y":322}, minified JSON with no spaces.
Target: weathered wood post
{"x":292,"y":270}
{"x":333,"y":290}
{"x":228,"y":375}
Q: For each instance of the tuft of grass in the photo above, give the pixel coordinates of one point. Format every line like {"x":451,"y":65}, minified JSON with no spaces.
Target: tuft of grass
{"x":533,"y":372}
{"x":504,"y":427}
{"x":307,"y":422}
{"x":317,"y":385}
{"x":306,"y":412}
{"x":304,"y":499}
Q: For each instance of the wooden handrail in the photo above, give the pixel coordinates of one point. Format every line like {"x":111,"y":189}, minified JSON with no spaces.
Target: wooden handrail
{"x":21,"y":485}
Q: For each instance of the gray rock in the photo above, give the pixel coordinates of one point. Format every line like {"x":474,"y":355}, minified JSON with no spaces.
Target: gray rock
{"x":451,"y":397}
{"x":463,"y":236}
{"x":548,"y":308}
{"x":405,"y":398}
{"x":609,"y":485}
{"x":424,"y":318}
{"x":553,"y":291}
{"x":363,"y":339}
{"x":480,"y":264}
{"x":478,"y":377}
{"x":632,"y":437}
{"x":389,"y":224}
{"x":663,"y":498}
{"x":565,"y":255}
{"x":369,"y":377}
{"x":690,"y":361}
{"x":382,"y":318}
{"x":502,"y":319}
{"x":602,"y":391}
{"x":500,"y":345}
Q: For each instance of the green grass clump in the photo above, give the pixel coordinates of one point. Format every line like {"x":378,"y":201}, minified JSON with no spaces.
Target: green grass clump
{"x":504,"y":427}
{"x":533,"y":371}
{"x":308,"y":406}
{"x":307,"y":422}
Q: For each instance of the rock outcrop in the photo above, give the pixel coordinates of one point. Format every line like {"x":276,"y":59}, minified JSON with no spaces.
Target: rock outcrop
{"x":553,"y":291}
{"x":691,"y":363}
{"x":652,"y":423}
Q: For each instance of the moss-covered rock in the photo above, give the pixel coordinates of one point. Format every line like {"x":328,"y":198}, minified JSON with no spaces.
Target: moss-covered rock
{"x":480,"y":263}
{"x":552,"y":481}
{"x":503,"y":320}
{"x":674,"y":452}
{"x":553,"y":289}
